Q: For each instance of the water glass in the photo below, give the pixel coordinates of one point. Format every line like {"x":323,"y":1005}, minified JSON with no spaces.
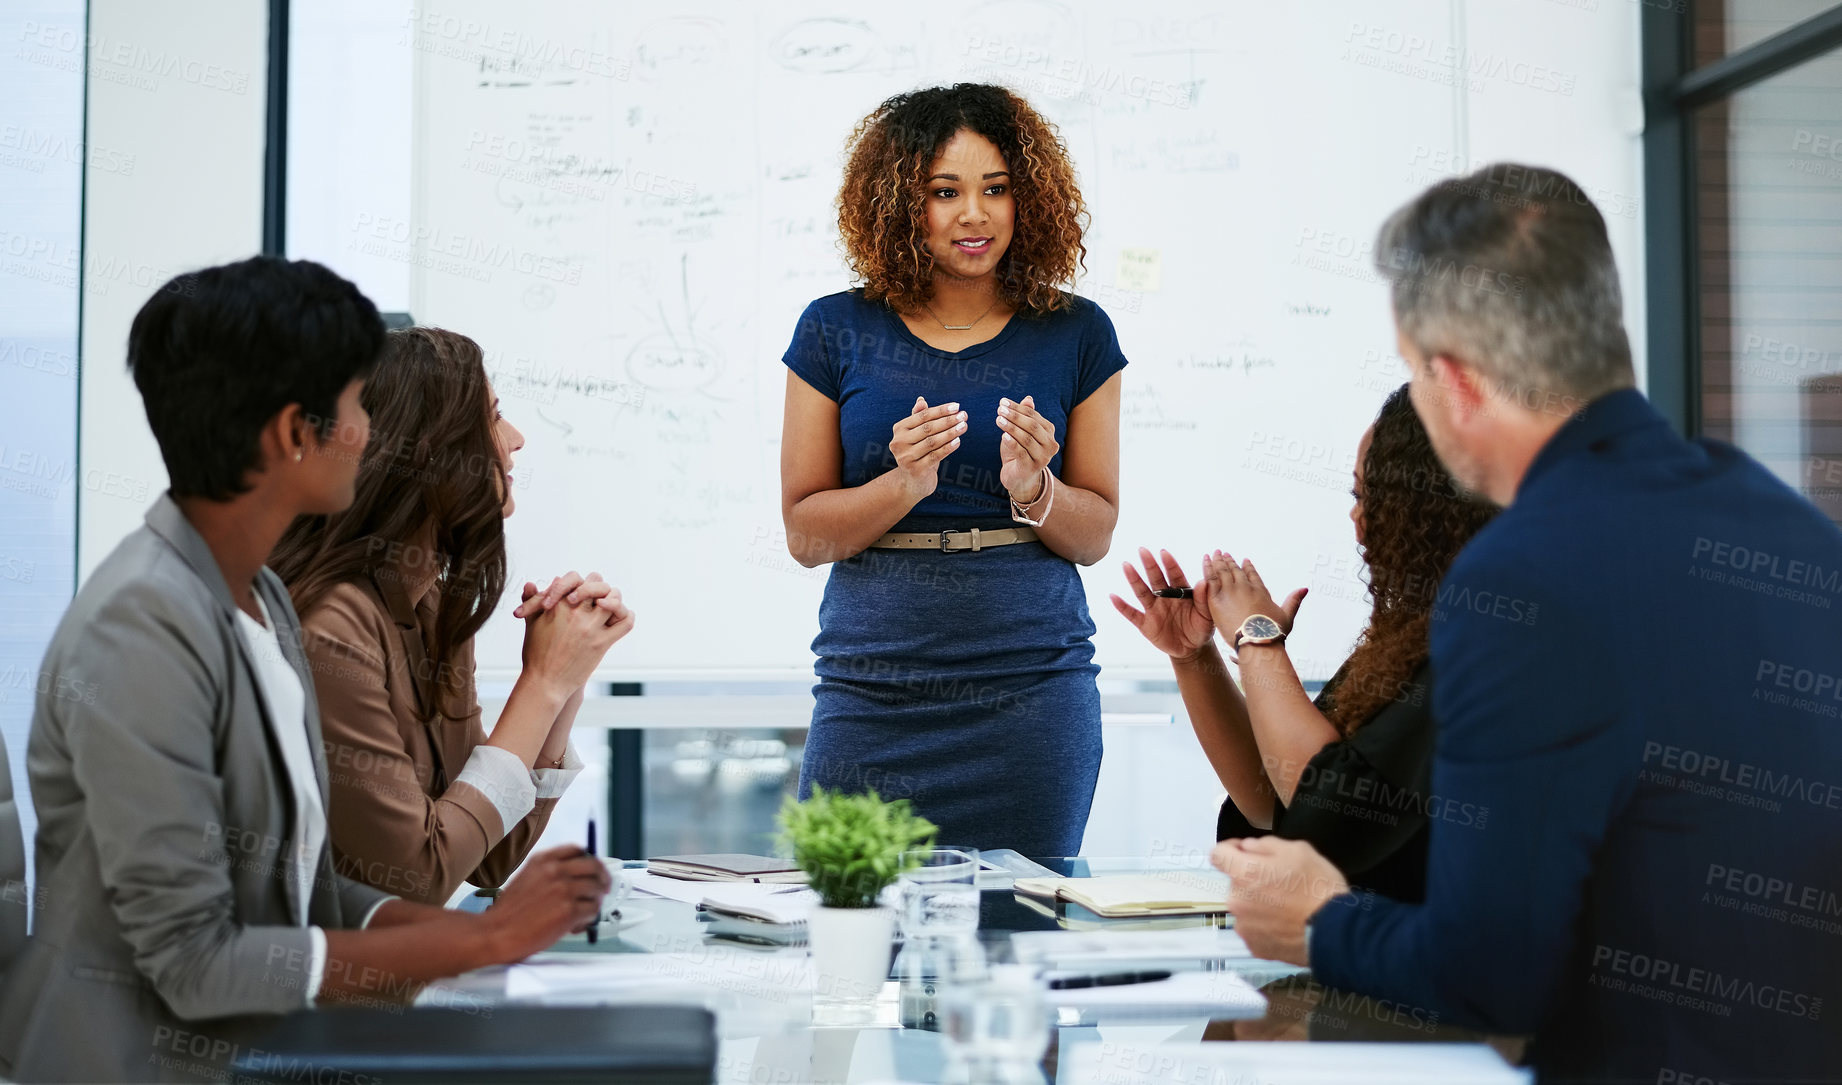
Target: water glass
{"x":927,"y":966}
{"x":996,"y":1028}
{"x":940,"y":896}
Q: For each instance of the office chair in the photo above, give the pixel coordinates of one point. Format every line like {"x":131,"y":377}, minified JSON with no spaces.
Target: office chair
{"x":488,"y":1043}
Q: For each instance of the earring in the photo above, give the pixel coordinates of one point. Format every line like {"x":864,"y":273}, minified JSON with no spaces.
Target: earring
{"x":297,"y":457}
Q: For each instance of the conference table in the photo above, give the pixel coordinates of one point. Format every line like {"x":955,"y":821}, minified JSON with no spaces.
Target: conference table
{"x":766,"y":1029}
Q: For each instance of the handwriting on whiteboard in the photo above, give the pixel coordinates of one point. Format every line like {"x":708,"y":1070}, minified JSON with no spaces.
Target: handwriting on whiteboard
{"x":1234,"y":361}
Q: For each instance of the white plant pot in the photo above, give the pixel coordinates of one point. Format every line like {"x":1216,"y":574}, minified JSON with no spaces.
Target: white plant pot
{"x":850,"y":952}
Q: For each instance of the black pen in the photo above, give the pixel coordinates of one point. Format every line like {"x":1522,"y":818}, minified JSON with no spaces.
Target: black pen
{"x":595,"y":923}
{"x":1115,"y":979}
{"x":1175,"y":593}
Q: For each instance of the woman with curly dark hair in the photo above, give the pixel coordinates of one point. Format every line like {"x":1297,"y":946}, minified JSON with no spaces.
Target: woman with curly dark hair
{"x":952,"y":447}
{"x":1349,"y":773}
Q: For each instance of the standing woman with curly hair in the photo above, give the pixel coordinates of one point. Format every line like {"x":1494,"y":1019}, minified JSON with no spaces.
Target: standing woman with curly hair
{"x":1348,"y":773}
{"x":951,"y":447}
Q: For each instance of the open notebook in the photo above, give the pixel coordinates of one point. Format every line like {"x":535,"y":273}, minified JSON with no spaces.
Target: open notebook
{"x":1083,"y":922}
{"x":1122,"y":896}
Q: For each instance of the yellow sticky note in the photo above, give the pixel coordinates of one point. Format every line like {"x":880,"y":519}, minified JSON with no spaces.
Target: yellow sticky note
{"x":1140,"y":269}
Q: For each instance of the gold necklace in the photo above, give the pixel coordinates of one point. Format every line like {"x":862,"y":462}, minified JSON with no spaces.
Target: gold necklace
{"x":959,"y":327}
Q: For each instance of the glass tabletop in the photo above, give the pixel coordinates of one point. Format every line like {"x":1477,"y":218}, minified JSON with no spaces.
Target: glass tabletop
{"x":766,"y":1025}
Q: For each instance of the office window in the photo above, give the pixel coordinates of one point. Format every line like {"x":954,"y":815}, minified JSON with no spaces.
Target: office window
{"x":348,"y":173}
{"x":42,"y":157}
{"x":1743,"y":179}
{"x":1728,"y":26}
{"x":1769,"y":191}
{"x":717,"y":790}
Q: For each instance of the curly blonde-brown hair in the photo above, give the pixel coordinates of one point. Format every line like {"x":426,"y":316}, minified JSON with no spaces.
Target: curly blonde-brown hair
{"x":1415,"y":521}
{"x":882,"y":209}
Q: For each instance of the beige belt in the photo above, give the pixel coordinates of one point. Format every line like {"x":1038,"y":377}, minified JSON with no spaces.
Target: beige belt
{"x":956,"y":539}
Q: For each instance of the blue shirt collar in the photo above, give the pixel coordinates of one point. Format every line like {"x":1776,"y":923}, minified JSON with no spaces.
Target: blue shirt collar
{"x":1608,"y":416}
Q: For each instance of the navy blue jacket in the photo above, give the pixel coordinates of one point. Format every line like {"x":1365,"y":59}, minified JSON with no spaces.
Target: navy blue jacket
{"x":1636,"y":809}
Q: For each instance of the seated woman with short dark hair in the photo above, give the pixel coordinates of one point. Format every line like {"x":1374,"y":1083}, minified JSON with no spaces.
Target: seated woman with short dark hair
{"x":1348,"y":773}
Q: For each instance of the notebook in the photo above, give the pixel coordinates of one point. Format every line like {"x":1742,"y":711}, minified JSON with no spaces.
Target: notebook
{"x":751,"y":932}
{"x":1116,"y":896}
{"x":764,"y":903}
{"x":727,"y":867}
{"x":1046,"y":907}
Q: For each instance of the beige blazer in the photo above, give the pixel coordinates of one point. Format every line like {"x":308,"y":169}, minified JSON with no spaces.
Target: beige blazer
{"x":399,"y":819}
{"x":163,"y":941}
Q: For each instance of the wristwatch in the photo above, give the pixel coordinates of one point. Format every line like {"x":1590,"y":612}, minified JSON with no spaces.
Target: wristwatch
{"x":1258,"y":629}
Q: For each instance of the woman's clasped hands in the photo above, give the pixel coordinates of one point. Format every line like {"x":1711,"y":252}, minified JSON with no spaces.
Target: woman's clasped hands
{"x":569,"y":626}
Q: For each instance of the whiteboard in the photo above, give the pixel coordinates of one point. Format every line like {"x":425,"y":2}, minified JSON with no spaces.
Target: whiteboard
{"x":628,"y":206}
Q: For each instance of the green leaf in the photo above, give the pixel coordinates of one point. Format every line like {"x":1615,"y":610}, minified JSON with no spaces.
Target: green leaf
{"x":851,"y":846}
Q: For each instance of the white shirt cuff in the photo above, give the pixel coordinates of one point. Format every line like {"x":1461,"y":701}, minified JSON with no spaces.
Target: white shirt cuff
{"x":504,"y":779}
{"x":372,"y":911}
{"x":316,"y":963}
{"x":551,"y":783}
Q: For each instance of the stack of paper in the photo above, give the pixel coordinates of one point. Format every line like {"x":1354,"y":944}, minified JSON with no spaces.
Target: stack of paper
{"x":695,"y":977}
{"x":1110,"y":1063}
{"x":1219,"y":996}
{"x":644,"y":881}
{"x":1117,"y":950}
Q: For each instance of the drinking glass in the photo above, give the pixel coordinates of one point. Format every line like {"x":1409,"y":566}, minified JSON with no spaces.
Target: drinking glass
{"x":996,"y":1028}
{"x":940,"y":896}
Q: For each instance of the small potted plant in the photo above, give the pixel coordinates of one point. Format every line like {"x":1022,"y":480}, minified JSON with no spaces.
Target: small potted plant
{"x":850,"y":847}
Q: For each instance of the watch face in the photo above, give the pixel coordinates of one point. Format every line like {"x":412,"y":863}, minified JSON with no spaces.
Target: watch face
{"x":1260,"y":627}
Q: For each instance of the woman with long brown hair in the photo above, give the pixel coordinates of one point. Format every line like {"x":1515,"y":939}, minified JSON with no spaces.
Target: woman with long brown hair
{"x":1348,"y":773}
{"x":391,"y":592}
{"x":951,"y":447}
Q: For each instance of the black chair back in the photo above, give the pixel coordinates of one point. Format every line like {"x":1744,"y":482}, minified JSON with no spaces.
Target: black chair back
{"x":488,"y":1043}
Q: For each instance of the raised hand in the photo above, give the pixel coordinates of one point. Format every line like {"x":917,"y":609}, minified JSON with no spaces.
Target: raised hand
{"x":920,"y":441}
{"x":1025,"y":449}
{"x":1180,"y":628}
{"x":1236,"y":593}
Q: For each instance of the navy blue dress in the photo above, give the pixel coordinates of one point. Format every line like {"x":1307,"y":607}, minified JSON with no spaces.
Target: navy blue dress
{"x":961,"y":681}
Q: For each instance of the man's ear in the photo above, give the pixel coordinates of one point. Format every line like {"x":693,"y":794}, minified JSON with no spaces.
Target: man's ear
{"x":1460,"y":384}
